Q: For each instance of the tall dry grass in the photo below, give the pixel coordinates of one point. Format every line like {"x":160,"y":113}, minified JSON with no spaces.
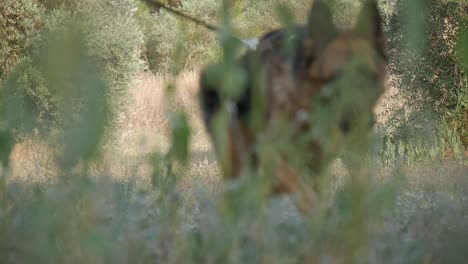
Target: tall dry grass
{"x":143,"y":128}
{"x":146,"y":125}
{"x":154,"y":99}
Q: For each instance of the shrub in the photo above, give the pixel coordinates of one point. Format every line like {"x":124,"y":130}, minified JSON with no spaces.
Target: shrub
{"x":422,"y":52}
{"x":27,"y":99}
{"x":20,"y":24}
{"x":172,"y":42}
{"x":112,"y":37}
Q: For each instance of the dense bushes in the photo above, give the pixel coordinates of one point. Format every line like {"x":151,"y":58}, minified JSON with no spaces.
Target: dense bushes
{"x":423,"y":39}
{"x":109,"y":31}
{"x":174,"y":42}
{"x":20,"y":24}
{"x":114,"y":38}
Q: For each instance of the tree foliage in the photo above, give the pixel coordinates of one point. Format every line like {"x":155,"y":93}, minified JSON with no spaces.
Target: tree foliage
{"x":423,"y":37}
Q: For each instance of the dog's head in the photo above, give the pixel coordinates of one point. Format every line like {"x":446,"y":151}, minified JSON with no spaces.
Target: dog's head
{"x":342,"y":68}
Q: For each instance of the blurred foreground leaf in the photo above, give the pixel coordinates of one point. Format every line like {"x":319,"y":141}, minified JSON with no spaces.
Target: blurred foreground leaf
{"x":73,"y":78}
{"x":463,"y":51}
{"x":180,"y":138}
{"x":7,"y":142}
{"x":83,"y":106}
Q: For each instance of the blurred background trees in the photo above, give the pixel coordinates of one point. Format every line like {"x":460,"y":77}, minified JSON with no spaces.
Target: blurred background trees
{"x":126,"y":36}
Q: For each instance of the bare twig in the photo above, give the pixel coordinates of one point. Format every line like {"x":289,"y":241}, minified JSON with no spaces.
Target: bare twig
{"x":156,"y":3}
{"x":250,"y":43}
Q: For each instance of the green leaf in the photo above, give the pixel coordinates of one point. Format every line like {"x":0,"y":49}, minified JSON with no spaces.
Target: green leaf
{"x":7,"y":141}
{"x":462,"y":50}
{"x":180,"y":138}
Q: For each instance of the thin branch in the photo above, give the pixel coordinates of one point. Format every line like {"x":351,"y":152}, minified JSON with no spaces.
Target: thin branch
{"x":156,"y":3}
{"x":250,"y":43}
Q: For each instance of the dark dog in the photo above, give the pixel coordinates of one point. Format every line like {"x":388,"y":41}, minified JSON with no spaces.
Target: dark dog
{"x":292,"y":77}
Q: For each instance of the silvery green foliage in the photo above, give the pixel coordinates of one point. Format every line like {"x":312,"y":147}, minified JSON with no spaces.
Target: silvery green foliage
{"x":20,"y":25}
{"x":172,"y":42}
{"x":254,"y":18}
{"x":422,"y":41}
{"x":112,"y":38}
{"x":115,"y":39}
